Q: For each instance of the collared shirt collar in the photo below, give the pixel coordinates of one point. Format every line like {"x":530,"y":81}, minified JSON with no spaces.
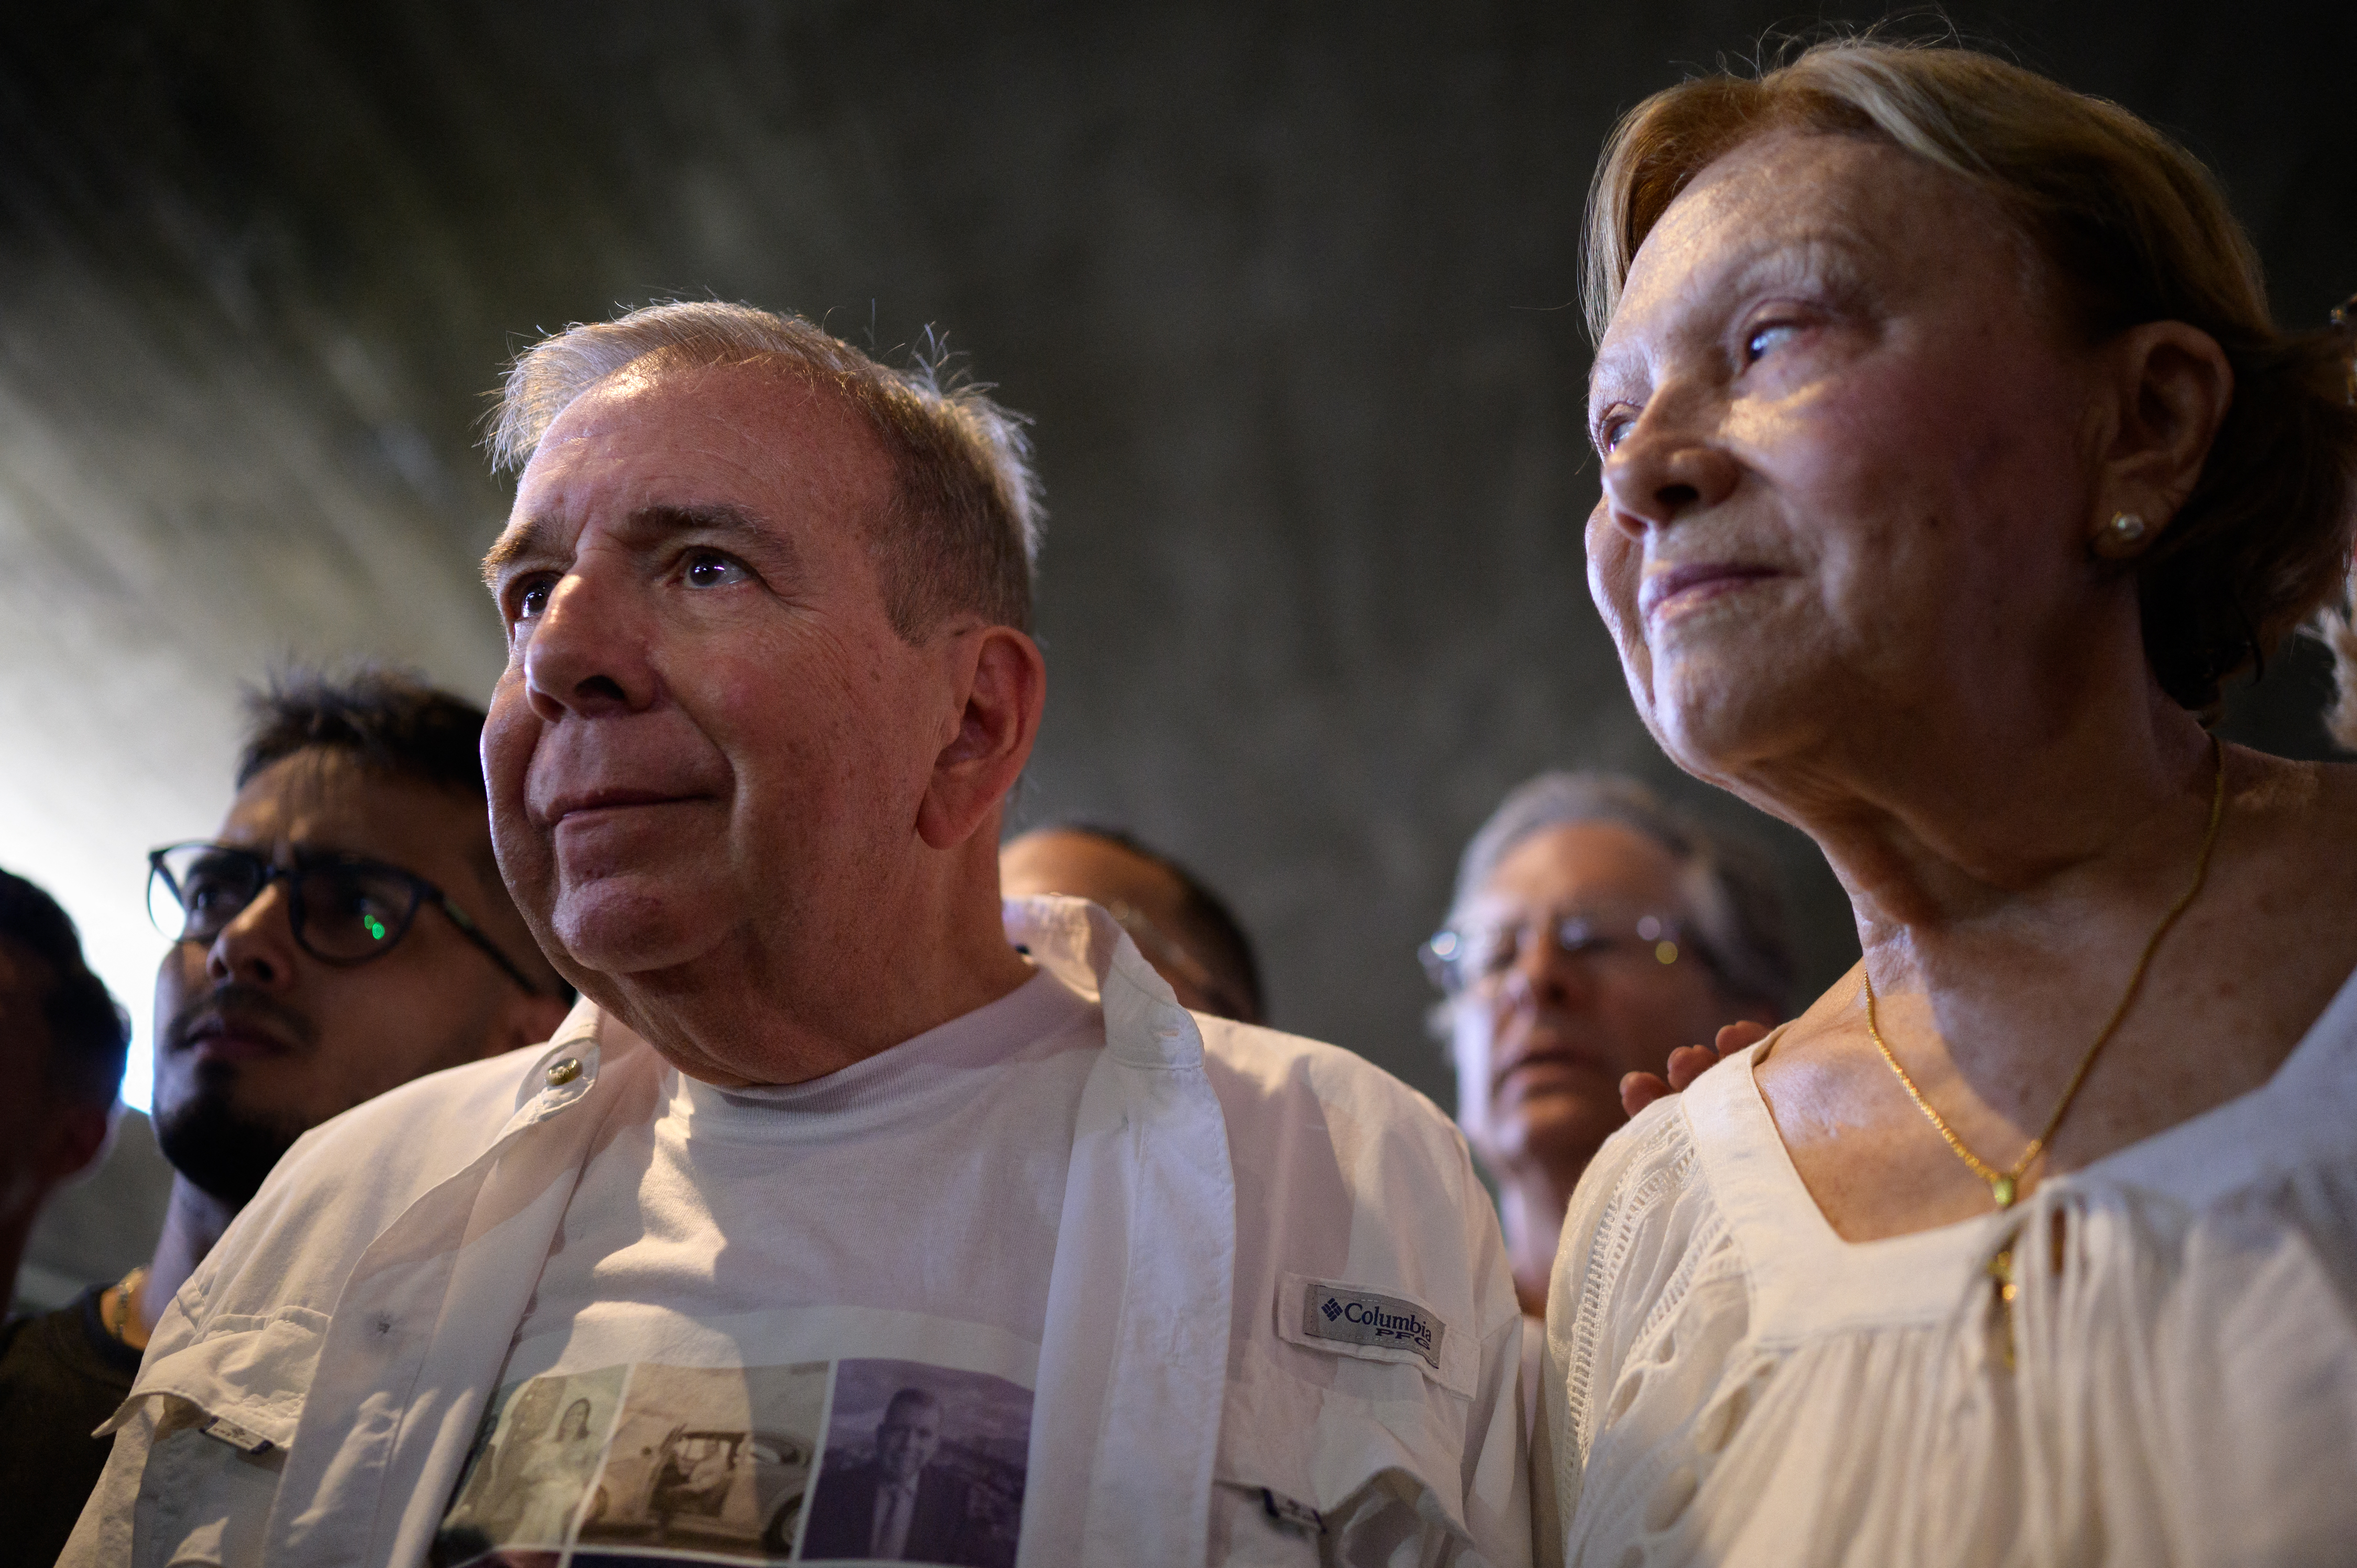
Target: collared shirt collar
{"x":1075,"y":941}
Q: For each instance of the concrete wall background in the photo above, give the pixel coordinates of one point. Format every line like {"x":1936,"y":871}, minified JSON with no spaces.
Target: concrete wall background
{"x":1282,"y":283}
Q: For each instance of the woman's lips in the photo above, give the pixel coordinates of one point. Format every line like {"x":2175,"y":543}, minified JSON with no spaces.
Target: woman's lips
{"x":1679,"y":587}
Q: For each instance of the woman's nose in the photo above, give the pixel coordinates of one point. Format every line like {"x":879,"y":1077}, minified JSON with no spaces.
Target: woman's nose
{"x":1665,"y":470}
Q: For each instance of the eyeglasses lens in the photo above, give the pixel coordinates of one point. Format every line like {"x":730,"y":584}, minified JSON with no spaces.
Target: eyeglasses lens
{"x":352,"y":913}
{"x":197,"y":889}
{"x":1477,"y":956}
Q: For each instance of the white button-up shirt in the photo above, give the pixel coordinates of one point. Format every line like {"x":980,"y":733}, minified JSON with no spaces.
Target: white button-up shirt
{"x":1280,"y":1325}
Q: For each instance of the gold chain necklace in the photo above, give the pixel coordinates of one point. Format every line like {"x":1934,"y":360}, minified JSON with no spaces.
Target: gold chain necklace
{"x":2005,"y":1186}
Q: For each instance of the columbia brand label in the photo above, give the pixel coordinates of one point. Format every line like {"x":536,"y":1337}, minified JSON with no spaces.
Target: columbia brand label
{"x":1362,"y":1317}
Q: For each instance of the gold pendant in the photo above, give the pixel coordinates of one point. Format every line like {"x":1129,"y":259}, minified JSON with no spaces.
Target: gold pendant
{"x":2001,"y":1189}
{"x":2000,"y":1273}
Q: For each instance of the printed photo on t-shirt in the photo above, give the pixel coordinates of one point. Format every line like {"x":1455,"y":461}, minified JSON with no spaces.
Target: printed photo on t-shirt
{"x":709,"y":1460}
{"x":923,"y":1463}
{"x":869,"y":1460}
{"x":531,"y":1469}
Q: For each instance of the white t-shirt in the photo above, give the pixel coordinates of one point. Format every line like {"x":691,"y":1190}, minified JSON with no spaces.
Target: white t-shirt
{"x":848,"y":1276}
{"x":2174,"y":1381}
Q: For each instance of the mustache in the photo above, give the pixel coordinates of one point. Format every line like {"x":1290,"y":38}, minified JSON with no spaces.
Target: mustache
{"x":234,"y":1001}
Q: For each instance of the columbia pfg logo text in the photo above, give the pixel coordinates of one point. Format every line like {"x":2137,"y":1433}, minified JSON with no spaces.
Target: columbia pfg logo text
{"x":1364,"y":1318}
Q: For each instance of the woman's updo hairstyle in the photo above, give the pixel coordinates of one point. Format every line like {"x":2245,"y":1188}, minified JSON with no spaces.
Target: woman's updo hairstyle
{"x":2134,"y":229}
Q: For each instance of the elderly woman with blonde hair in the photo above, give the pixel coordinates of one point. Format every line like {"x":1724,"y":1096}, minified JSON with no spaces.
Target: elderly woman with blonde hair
{"x":1952,"y":463}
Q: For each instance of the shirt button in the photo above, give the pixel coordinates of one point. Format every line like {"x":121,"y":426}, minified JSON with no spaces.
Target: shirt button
{"x":563,"y":1072}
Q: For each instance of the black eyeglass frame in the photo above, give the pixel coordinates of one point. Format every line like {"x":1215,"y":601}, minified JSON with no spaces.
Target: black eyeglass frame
{"x":421,"y":892}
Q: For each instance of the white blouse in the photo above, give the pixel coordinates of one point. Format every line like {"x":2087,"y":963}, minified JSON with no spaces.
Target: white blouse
{"x":1730,"y":1382}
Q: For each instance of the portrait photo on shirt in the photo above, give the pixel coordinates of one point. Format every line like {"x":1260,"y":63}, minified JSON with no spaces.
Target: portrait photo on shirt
{"x":531,"y":1469}
{"x":923,"y":1463}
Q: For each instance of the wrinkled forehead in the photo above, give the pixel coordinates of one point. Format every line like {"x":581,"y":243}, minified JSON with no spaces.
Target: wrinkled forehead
{"x":1792,"y":204}
{"x":1594,"y":866}
{"x":766,"y":439}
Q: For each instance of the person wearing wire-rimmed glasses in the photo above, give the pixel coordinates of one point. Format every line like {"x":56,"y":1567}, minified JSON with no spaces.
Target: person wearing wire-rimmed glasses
{"x":343,"y":933}
{"x":1594,"y":930}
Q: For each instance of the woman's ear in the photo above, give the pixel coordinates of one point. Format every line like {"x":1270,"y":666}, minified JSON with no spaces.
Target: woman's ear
{"x":2172,"y":387}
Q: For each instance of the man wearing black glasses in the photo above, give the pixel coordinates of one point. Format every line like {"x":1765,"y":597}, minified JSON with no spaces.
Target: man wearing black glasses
{"x":344,"y":932}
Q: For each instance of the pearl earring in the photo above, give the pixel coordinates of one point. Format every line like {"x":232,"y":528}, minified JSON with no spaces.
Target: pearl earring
{"x":2122,"y":537}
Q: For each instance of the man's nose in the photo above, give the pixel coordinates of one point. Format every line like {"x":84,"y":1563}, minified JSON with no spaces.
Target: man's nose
{"x":1542,"y":972}
{"x":257,"y":947}
{"x":588,"y":653}
{"x":1668,"y":467}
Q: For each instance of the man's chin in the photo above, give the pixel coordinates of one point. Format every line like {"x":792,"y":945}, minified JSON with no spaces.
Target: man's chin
{"x":223,"y":1149}
{"x":608,"y":927}
{"x":1555,"y":1130}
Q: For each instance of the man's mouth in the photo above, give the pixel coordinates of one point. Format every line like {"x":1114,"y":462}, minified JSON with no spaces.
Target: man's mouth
{"x":588,"y":805}
{"x":238,"y":1023}
{"x":1677,"y":588}
{"x":229,"y":1037}
{"x":1542,"y":1060}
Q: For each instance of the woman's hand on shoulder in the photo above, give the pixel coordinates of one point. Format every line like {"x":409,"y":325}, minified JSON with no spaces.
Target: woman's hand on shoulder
{"x":1687,"y":1063}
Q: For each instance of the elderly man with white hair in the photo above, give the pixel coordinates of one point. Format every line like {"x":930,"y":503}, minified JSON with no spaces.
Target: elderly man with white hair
{"x":1595,"y":933}
{"x":830,"y":1117}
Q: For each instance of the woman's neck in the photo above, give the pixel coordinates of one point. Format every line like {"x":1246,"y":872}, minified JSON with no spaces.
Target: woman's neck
{"x":1979,"y":839}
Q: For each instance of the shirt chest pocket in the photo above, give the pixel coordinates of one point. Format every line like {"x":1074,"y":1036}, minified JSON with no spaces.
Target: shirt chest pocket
{"x":1336,"y":1318}
{"x":1352,"y":1428}
{"x":222,"y":1412}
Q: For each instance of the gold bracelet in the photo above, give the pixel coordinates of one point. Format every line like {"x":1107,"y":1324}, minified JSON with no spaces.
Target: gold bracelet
{"x":118,"y":1320}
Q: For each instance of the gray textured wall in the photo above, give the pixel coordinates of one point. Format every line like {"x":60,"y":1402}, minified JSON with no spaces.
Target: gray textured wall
{"x":1282,"y":284}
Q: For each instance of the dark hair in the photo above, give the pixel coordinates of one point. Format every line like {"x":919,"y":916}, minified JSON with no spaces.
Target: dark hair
{"x":391,"y":721}
{"x":1204,"y":911}
{"x":90,"y":1034}
{"x":398,"y":727}
{"x":2134,"y":230}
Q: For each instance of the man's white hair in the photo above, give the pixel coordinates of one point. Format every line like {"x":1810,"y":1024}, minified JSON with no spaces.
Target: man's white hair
{"x":967,"y":532}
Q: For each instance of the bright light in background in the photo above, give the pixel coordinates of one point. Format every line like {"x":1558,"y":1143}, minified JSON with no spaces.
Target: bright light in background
{"x":101,"y":885}
{"x":79,"y":808}
{"x":178,"y":517}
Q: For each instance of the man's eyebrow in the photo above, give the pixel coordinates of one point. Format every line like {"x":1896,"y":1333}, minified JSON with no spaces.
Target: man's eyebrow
{"x":515,"y":544}
{"x":645,"y":526}
{"x":718,"y":517}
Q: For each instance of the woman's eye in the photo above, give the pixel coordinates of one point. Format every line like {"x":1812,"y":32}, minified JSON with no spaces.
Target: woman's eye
{"x":707,"y":569}
{"x":1610,"y":431}
{"x":1763,"y":338}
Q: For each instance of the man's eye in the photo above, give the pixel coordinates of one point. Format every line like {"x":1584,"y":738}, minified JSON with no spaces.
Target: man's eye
{"x":531,"y":600}
{"x":1763,"y":338}
{"x":706,"y":569}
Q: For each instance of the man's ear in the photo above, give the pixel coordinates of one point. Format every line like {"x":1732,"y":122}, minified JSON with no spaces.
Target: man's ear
{"x":1001,"y":685}
{"x":76,"y":1139}
{"x":2172,"y":386}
